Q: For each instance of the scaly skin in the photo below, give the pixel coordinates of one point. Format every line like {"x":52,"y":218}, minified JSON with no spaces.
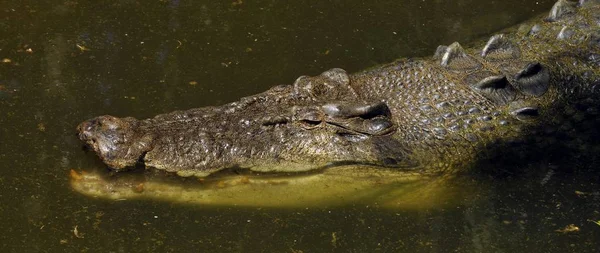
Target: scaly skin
{"x":427,"y":115}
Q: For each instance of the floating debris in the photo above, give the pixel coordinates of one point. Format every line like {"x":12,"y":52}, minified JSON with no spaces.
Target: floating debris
{"x":96,"y":224}
{"x":333,"y":240}
{"x":77,"y":233}
{"x":74,"y":175}
{"x":41,"y":127}
{"x":82,"y":48}
{"x":568,"y":229}
{"x":595,"y":222}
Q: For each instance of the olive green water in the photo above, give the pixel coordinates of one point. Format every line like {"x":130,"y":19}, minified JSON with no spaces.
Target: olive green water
{"x":66,"y":61}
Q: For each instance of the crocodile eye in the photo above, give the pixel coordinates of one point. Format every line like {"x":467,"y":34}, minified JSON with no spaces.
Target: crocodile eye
{"x":309,"y":118}
{"x":309,"y":124}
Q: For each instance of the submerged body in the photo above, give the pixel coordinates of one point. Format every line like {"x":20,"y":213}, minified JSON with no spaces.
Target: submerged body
{"x":418,"y":116}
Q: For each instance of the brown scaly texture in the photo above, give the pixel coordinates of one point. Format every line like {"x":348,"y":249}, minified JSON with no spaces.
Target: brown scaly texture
{"x":427,"y":114}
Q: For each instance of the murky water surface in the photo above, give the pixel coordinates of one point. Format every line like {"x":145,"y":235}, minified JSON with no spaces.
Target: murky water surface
{"x":66,"y":61}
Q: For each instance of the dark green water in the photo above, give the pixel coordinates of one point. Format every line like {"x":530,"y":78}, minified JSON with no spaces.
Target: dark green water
{"x":67,"y":61}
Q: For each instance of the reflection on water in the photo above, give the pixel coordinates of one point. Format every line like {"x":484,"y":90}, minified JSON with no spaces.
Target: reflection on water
{"x":65,"y":61}
{"x":327,"y":188}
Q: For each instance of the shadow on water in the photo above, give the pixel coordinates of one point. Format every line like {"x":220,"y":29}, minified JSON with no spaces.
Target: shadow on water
{"x":63,"y":62}
{"x":545,"y":185}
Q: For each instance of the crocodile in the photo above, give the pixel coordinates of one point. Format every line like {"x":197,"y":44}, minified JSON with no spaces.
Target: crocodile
{"x":415,"y":116}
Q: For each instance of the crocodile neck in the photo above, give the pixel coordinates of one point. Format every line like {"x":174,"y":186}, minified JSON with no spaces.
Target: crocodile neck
{"x":441,"y":116}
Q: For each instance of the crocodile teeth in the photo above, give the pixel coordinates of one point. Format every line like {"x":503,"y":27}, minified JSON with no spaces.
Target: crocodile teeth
{"x":496,"y":88}
{"x":456,"y":58}
{"x":561,"y":9}
{"x":499,"y":47}
{"x":533,"y":80}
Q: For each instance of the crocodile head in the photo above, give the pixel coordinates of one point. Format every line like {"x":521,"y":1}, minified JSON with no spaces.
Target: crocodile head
{"x":117,"y":141}
{"x":316,"y":122}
